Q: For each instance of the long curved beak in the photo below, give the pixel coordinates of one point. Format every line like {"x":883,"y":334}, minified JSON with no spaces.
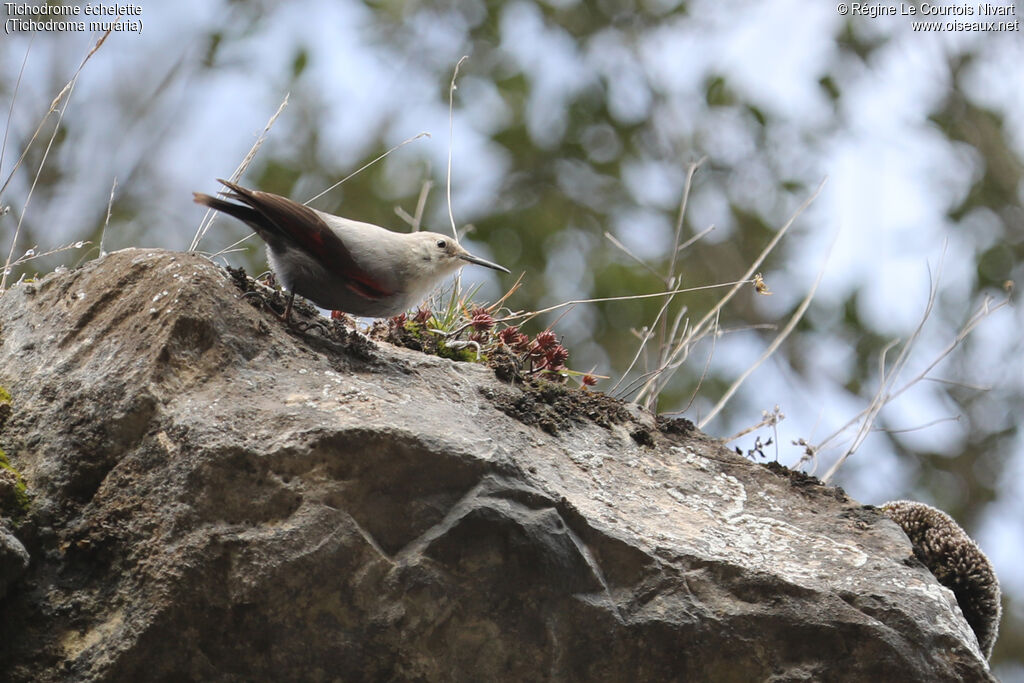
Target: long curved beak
{"x":466,"y":256}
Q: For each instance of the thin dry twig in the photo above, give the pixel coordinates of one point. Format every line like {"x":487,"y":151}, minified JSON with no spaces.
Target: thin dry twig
{"x":648,"y":395}
{"x":647,"y":336}
{"x":704,"y":371}
{"x":771,"y":419}
{"x":416,"y":220}
{"x":421,"y":203}
{"x":676,"y":248}
{"x":14,"y":98}
{"x":962,"y":385}
{"x":367,"y":165}
{"x":529,"y":315}
{"x":511,"y":290}
{"x":457,"y":284}
{"x":637,"y":383}
{"x":31,"y":190}
{"x":110,"y":208}
{"x":885,"y":378}
{"x":67,"y":89}
{"x":696,"y":238}
{"x":628,"y":297}
{"x":32,"y":254}
{"x":451,"y":137}
{"x":884,"y":395}
{"x":625,"y":250}
{"x":670,"y":280}
{"x":211,"y":215}
{"x":926,"y":425}
{"x":773,"y":347}
{"x":231,"y":247}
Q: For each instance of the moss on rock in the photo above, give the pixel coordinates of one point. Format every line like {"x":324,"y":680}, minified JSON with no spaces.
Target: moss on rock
{"x":14,"y":498}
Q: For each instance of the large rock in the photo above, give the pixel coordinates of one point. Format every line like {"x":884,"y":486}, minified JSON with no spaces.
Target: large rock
{"x":218,"y":498}
{"x":14,"y":559}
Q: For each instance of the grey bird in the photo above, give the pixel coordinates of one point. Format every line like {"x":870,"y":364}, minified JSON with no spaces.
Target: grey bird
{"x":341,"y":264}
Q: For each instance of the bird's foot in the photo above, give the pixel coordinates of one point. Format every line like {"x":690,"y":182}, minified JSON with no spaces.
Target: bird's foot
{"x":262,"y":297}
{"x":267,"y":278}
{"x":306,"y":326}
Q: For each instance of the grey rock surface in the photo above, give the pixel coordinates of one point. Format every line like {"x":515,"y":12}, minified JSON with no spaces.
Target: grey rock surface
{"x":14,"y":559}
{"x":218,"y":498}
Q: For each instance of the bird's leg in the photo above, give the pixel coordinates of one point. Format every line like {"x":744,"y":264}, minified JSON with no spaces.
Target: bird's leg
{"x":259,"y":289}
{"x":256,"y":294}
{"x":299,"y":325}
{"x":287,"y":315}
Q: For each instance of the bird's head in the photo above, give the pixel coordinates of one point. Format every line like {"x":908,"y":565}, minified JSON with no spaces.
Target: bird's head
{"x":441,"y":254}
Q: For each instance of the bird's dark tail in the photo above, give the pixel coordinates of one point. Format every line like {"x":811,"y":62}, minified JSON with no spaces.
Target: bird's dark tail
{"x":246,"y":214}
{"x":272,"y":217}
{"x":249,"y":211}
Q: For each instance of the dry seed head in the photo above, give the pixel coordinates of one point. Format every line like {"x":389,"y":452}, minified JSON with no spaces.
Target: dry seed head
{"x":481,"y":320}
{"x":509,"y":335}
{"x":422,"y":316}
{"x":514,"y":339}
{"x":545,"y":339}
{"x":556,"y":357}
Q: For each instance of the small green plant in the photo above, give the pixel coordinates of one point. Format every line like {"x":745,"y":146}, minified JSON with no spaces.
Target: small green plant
{"x":470,"y":333}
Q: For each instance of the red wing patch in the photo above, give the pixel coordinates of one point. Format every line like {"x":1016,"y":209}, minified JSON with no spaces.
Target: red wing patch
{"x":367,"y":290}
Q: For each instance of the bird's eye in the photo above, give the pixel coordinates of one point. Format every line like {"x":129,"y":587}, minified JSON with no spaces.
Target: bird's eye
{"x":442,"y":244}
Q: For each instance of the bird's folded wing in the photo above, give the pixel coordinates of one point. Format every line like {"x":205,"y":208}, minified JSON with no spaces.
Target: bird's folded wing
{"x":302,"y":226}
